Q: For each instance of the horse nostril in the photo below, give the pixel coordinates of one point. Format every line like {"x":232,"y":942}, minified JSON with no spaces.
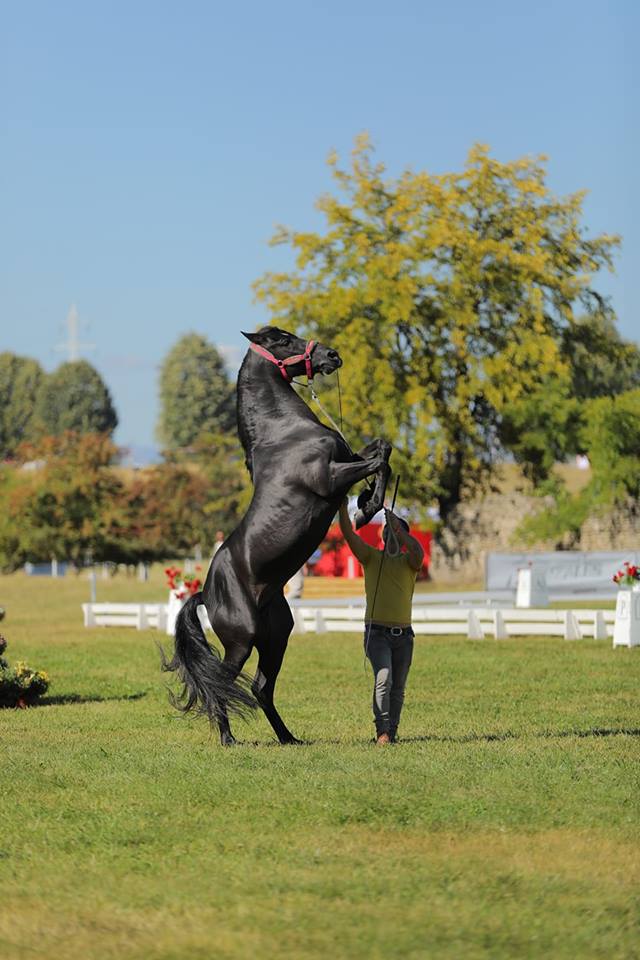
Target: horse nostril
{"x":333,"y":354}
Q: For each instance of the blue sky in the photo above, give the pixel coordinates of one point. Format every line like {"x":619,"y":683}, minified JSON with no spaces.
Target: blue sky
{"x":147,"y":150}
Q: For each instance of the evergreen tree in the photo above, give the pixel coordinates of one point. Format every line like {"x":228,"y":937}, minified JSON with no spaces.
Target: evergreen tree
{"x":20,"y":382}
{"x":196,"y":396}
{"x":75,"y":398}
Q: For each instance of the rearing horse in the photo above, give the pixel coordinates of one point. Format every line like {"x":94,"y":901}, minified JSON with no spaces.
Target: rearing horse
{"x":301,"y":470}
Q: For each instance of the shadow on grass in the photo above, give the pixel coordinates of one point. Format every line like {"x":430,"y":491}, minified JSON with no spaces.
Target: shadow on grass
{"x":466,"y":737}
{"x":436,"y":738}
{"x":509,"y":735}
{"x":80,"y":698}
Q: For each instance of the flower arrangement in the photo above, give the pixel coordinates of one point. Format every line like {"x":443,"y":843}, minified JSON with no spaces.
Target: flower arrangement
{"x":628,"y":576}
{"x":20,"y":686}
{"x":183,"y":585}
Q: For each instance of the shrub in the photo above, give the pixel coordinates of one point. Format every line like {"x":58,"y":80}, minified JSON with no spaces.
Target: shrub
{"x":20,"y":686}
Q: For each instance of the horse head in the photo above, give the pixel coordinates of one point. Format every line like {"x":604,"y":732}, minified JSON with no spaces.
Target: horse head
{"x":292,"y":355}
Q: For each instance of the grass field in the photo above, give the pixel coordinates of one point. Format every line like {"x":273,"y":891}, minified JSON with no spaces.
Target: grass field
{"x":504,"y":825}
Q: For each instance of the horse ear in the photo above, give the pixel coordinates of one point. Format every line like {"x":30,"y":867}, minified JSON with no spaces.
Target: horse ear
{"x":253,"y":337}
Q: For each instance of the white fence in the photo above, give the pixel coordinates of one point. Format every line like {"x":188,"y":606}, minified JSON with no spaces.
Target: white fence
{"x":323,"y":616}
{"x":472,"y":622}
{"x":143,"y":616}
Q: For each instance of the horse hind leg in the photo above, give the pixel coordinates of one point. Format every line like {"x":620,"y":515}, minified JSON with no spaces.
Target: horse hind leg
{"x":271,"y":650}
{"x":237,"y":639}
{"x":234,"y":663}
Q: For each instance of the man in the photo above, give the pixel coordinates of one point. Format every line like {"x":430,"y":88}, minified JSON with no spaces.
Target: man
{"x":388,"y":635}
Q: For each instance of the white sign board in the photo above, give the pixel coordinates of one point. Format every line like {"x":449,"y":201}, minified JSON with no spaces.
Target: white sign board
{"x":565,"y":571}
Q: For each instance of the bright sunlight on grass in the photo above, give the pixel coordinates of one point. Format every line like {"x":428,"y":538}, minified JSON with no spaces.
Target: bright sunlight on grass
{"x":504,"y":825}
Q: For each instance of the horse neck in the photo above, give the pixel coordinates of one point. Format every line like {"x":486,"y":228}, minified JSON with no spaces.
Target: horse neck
{"x":264,"y":398}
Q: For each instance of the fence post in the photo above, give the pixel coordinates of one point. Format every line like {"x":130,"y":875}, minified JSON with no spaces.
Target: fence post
{"x":599,"y":626}
{"x":92,"y":584}
{"x":499,"y":629}
{"x":143,"y":617}
{"x":162,"y":617}
{"x":572,"y":629}
{"x":321,"y":626}
{"x":298,"y":621}
{"x":474,"y":627}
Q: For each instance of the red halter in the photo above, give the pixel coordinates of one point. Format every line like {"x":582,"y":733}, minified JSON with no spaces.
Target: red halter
{"x":283,"y":364}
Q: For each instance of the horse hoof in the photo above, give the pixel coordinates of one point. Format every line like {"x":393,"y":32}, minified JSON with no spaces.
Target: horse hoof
{"x":293,"y":741}
{"x":364,"y":497}
{"x":360,"y":519}
{"x":228,"y":740}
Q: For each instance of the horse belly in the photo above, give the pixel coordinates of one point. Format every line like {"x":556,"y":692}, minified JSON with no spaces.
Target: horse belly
{"x":283,"y":543}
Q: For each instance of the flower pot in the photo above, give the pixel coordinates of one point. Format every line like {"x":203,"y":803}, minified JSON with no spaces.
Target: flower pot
{"x":176,"y":603}
{"x":626,"y":629}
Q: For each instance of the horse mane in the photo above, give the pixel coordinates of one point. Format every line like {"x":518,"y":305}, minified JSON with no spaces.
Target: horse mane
{"x":249,"y":388}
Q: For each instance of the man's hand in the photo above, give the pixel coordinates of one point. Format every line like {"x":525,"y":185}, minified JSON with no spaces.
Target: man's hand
{"x":415,"y":553}
{"x":393,"y":521}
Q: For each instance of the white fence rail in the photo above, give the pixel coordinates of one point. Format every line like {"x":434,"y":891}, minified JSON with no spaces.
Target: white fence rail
{"x":325,"y":616}
{"x":143,"y":616}
{"x":472,"y":622}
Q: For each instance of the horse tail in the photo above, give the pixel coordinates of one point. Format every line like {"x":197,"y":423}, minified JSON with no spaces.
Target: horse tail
{"x":210,"y":687}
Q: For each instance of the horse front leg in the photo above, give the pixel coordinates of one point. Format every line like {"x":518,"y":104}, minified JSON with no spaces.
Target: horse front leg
{"x":341,"y":475}
{"x":372,"y":499}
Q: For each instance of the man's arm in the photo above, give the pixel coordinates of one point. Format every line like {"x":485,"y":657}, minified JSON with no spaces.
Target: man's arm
{"x":415,"y":553}
{"x":358,"y":547}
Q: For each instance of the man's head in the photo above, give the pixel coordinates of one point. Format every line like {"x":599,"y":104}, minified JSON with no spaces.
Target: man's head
{"x":402,"y":522}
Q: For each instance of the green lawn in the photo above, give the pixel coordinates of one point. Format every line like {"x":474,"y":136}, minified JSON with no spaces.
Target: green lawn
{"x":505,"y":825}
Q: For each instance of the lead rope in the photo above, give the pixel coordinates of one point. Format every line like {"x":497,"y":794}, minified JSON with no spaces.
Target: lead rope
{"x":314,"y":396}
{"x":384,"y":554}
{"x":339,"y":397}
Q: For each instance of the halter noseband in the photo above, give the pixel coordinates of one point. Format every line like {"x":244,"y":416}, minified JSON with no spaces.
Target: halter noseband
{"x":283,"y":364}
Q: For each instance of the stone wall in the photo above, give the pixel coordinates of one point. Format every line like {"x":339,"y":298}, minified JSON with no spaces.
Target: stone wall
{"x":489,"y":526}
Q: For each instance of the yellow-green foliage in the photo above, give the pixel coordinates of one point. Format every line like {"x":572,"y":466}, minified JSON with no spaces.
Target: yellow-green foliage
{"x":610,"y":434}
{"x":447,"y":296}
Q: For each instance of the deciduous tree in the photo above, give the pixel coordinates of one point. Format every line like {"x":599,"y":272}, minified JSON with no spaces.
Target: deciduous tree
{"x":448,"y":296}
{"x":67,"y":508}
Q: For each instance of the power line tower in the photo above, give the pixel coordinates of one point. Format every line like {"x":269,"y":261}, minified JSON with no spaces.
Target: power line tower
{"x":73,"y":344}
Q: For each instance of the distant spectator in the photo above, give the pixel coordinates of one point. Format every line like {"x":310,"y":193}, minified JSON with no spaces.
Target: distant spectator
{"x":219,"y":540}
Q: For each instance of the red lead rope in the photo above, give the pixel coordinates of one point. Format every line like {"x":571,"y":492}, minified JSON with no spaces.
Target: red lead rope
{"x":283,"y":364}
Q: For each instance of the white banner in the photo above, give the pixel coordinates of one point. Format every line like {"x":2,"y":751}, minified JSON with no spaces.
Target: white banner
{"x":566,"y":571}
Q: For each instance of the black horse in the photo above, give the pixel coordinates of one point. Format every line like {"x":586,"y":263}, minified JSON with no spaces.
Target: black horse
{"x":301,"y":470}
